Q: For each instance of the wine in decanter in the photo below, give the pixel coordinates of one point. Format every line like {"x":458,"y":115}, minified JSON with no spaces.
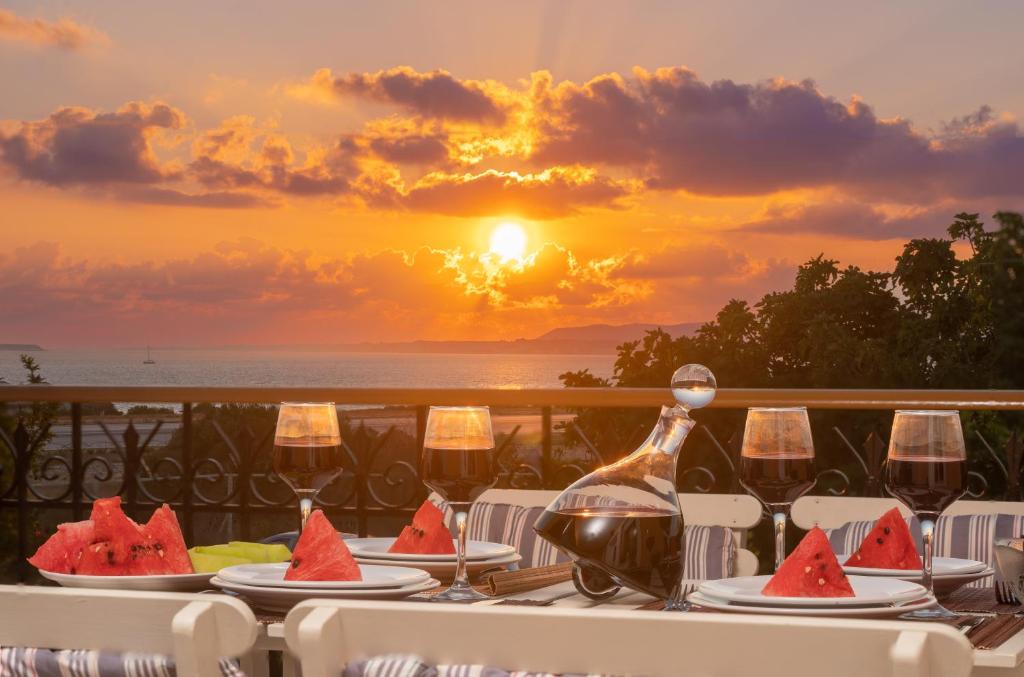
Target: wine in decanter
{"x":622,"y":524}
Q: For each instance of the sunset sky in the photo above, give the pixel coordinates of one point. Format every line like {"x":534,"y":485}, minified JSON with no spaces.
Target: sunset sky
{"x":205,"y":173}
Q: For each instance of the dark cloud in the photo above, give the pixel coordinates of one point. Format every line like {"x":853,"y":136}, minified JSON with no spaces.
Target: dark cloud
{"x":411,"y":149}
{"x":176,"y":198}
{"x":436,"y":94}
{"x":79,"y":146}
{"x":272,"y":168}
{"x":724,"y":138}
{"x":848,"y":218}
{"x":707,"y":261}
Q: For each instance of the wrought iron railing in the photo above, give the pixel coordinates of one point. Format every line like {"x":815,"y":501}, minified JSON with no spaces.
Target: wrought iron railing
{"x":215,"y":463}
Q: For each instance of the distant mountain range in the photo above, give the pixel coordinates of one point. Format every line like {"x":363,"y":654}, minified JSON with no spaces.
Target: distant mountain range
{"x":591,"y":339}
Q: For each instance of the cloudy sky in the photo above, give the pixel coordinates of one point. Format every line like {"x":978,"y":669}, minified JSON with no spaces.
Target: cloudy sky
{"x":316,"y":172}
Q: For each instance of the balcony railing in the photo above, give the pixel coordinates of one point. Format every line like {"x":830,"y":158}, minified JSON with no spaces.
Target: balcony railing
{"x":213,"y":464}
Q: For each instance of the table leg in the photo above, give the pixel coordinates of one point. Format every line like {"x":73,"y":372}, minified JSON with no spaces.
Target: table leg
{"x":256,"y":663}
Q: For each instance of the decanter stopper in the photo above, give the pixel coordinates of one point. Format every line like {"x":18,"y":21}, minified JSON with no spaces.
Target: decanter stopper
{"x":693,"y":386}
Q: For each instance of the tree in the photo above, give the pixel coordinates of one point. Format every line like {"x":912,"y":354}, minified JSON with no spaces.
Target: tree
{"x":935,"y":321}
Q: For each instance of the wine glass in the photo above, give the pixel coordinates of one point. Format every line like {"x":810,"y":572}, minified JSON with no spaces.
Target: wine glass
{"x":307,"y":449}
{"x":927,"y":470}
{"x":456,"y":464}
{"x":777,"y":463}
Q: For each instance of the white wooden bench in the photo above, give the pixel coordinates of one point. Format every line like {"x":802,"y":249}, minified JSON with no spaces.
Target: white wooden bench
{"x":196,"y":630}
{"x":327,"y":635}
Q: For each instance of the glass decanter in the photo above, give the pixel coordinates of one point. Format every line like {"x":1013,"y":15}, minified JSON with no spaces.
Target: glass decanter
{"x":622,"y":524}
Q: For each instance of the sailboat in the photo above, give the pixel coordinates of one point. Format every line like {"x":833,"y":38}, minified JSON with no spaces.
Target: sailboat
{"x":148,"y":360}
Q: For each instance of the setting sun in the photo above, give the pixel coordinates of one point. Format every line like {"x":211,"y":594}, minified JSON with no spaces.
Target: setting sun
{"x":509,"y":241}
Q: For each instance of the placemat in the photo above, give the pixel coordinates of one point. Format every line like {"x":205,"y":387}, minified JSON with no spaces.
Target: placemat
{"x":978,"y":600}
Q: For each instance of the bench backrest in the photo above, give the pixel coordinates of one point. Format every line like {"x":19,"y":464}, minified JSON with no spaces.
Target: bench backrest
{"x":327,"y":635}
{"x":832,"y":512}
{"x":197,"y":630}
{"x":737,"y":512}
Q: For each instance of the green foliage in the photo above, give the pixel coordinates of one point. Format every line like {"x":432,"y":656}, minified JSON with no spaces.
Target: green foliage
{"x":936,"y":321}
{"x":147,"y":410}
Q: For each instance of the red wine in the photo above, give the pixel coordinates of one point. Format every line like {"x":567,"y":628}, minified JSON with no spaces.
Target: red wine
{"x":640,"y":549}
{"x":927,"y":485}
{"x":777,"y":480}
{"x":307,"y":467}
{"x":458,"y":475}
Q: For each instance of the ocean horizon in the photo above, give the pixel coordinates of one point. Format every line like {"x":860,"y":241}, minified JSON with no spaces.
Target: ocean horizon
{"x":256,"y":367}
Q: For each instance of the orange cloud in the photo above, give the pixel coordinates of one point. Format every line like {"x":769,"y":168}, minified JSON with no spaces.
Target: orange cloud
{"x":555,"y":192}
{"x":245,"y":290}
{"x":63,"y":33}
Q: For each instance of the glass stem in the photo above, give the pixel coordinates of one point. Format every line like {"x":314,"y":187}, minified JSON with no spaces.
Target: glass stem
{"x":305,"y":506}
{"x":779,"y":524}
{"x":927,"y":533}
{"x":461,"y":517}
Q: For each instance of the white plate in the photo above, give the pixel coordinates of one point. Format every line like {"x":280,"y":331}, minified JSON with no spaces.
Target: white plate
{"x":161,"y":583}
{"x":283,"y":599}
{"x":854,"y":612}
{"x":947,"y":585}
{"x":377,"y":548}
{"x":272,"y":576}
{"x":941,"y":566}
{"x":446,"y":570}
{"x":876,"y":590}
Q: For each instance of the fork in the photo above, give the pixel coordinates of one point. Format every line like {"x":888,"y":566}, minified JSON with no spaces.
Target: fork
{"x":970,"y":623}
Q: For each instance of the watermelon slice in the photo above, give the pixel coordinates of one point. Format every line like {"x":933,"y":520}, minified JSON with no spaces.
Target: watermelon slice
{"x":427,"y":535}
{"x":810,"y":571}
{"x":111,"y":544}
{"x":164,"y":542}
{"x":62,"y":551}
{"x":321,"y":554}
{"x":888,"y":546}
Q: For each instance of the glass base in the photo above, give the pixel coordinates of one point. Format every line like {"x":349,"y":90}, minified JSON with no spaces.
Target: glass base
{"x":934,"y":613}
{"x":459,"y":593}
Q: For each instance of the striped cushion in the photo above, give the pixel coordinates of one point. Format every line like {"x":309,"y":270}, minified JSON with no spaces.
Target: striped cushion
{"x":964,"y":536}
{"x":397,"y":665}
{"x":710,"y":551}
{"x":47,"y":663}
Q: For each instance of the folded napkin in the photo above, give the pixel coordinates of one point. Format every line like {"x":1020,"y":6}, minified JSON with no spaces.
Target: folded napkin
{"x":524,"y":580}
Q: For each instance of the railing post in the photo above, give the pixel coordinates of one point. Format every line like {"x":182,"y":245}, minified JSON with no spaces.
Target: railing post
{"x":546,"y":461}
{"x":1014,"y":453}
{"x":188,"y":472}
{"x":132,"y":458}
{"x":362,"y":471}
{"x":247,"y":456}
{"x":875,"y":452}
{"x":22,"y":465}
{"x":77,"y":473}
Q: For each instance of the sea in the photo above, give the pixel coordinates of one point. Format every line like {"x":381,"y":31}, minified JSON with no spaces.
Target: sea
{"x":254,"y":368}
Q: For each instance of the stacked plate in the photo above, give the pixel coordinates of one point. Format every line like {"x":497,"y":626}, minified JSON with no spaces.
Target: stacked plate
{"x":481,"y":557}
{"x":874,"y":597}
{"x":948,"y":573}
{"x":155,"y":583}
{"x":265,"y":587}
